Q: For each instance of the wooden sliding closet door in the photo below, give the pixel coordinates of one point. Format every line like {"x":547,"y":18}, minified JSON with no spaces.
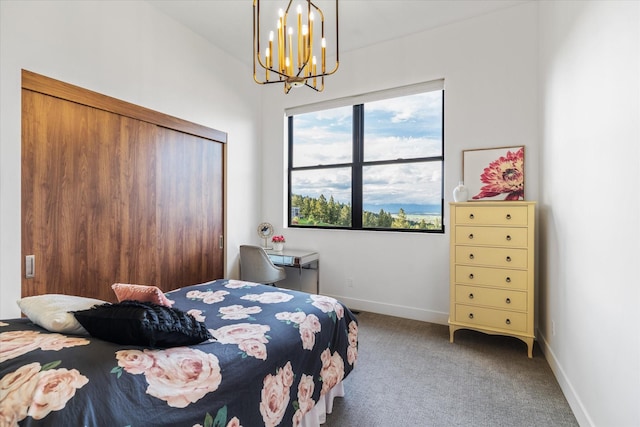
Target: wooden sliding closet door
{"x":111,"y":198}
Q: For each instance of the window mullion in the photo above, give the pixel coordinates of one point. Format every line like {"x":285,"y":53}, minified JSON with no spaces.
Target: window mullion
{"x":356,"y":172}
{"x":289,"y":166}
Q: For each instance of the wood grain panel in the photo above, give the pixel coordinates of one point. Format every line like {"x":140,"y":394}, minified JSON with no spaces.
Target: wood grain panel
{"x":189,"y":205}
{"x":109,"y":198}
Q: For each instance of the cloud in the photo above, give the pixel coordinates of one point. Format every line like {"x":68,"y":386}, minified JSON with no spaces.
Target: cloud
{"x":334,"y":182}
{"x":412,"y":183}
{"x":406,"y":108}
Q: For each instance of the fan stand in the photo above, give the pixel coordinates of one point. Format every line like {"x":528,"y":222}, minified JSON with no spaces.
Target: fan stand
{"x":265,"y":244}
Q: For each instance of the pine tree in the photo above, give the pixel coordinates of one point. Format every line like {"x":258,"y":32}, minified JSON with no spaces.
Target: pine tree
{"x":401,"y":221}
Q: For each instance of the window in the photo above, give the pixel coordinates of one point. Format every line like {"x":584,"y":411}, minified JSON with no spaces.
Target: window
{"x":375,"y":163}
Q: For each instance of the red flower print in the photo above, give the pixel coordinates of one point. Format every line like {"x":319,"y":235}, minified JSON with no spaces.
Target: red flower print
{"x":504,"y":176}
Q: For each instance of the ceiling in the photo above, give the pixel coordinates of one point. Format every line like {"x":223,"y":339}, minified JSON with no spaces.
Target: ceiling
{"x":228,"y":24}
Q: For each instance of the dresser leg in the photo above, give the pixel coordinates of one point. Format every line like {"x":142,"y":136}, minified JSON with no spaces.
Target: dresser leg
{"x":529,"y":342}
{"x":452,"y":330}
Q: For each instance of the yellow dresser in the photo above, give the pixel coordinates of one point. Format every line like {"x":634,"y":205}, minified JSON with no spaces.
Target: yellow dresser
{"x":492,"y":269}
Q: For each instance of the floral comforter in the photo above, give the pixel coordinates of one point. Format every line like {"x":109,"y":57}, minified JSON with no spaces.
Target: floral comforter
{"x":275,"y":352}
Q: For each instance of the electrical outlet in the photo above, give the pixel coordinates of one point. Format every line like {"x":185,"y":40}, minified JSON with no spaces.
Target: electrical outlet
{"x":553,"y":328}
{"x":350,"y":282}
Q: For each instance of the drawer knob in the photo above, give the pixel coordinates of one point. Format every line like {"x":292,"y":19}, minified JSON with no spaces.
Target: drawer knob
{"x":470,"y":296}
{"x":470,"y":315}
{"x":471,"y":256}
{"x":471,"y":216}
{"x":508,"y":322}
{"x":508,"y":259}
{"x":508,"y":216}
{"x":471,"y":236}
{"x":508,"y":238}
{"x":508,"y":300}
{"x":508,"y":279}
{"x":471,"y":276}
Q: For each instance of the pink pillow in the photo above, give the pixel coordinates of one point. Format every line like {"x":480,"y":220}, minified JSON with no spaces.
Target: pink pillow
{"x":141,"y":293}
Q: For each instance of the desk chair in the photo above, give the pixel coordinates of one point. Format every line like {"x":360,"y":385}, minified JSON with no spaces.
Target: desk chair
{"x":255,"y":266}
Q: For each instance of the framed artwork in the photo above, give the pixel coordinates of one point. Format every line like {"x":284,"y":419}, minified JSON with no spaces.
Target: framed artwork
{"x":494,"y":173}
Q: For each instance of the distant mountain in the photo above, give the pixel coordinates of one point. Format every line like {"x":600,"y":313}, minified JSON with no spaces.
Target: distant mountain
{"x":409,"y":208}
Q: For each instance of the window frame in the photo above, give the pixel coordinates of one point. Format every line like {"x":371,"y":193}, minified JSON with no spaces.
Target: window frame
{"x":358,"y":163}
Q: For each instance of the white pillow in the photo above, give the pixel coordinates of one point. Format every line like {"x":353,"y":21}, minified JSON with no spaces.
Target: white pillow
{"x":51,"y":311}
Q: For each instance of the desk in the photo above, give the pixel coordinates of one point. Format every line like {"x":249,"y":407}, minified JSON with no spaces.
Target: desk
{"x":300,"y":259}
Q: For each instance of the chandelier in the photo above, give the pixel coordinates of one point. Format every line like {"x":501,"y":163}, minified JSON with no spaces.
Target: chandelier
{"x":292,"y":52}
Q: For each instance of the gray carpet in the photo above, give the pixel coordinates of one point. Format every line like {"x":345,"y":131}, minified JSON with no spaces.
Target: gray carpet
{"x":408,"y":374}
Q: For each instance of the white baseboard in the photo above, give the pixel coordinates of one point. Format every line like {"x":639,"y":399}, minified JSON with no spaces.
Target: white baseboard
{"x":580,"y":412}
{"x":394,"y":310}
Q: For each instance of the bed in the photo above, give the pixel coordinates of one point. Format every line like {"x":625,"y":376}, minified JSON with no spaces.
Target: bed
{"x":272,"y":357}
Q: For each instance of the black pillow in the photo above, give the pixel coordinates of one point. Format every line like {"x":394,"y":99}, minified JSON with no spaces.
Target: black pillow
{"x":142,"y":323}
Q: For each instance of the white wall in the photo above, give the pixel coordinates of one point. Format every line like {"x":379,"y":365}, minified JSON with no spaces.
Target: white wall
{"x":590,"y":217}
{"x":131,"y":51}
{"x":579,"y":122}
{"x":489,"y":66}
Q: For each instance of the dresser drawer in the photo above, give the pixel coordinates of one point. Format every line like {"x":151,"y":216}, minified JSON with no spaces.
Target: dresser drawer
{"x":499,"y":277}
{"x":498,"y":298}
{"x":498,"y":257}
{"x":492,"y":236}
{"x":491,"y":318}
{"x":492,"y":215}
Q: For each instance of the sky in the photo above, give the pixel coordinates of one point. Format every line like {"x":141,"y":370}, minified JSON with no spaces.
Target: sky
{"x":406,"y":127}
